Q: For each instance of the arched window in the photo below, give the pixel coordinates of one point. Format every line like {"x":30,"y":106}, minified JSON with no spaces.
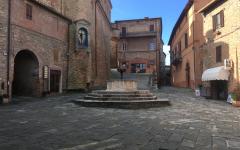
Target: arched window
{"x":83,"y":38}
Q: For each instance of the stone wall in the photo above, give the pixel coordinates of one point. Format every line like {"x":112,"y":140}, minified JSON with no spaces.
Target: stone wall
{"x":3,"y":44}
{"x":90,"y":66}
{"x":45,"y":48}
{"x":46,"y":36}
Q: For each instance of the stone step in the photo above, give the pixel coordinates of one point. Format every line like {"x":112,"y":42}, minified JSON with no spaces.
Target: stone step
{"x":122,"y":92}
{"x":136,"y":104}
{"x":120,"y":95}
{"x":119,"y":98}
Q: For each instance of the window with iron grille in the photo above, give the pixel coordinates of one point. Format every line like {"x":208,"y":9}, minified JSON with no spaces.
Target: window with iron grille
{"x":29,"y":11}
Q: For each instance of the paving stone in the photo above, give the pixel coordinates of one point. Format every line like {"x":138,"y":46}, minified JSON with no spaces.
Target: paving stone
{"x":233,"y":144}
{"x":188,"y":143}
{"x":189,"y":123}
{"x":175,"y":138}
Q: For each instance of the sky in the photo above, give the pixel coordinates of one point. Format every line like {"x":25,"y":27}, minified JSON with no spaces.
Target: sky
{"x":169,"y":10}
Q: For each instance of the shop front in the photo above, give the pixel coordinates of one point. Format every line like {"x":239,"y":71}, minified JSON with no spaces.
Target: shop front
{"x":215,"y":83}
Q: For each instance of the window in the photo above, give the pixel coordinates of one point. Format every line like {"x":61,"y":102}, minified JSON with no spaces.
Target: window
{"x":186,"y":40}
{"x":82,"y":38}
{"x":218,"y":20}
{"x":151,"y":62}
{"x":219,"y":54}
{"x":152,"y":28}
{"x":124,"y":31}
{"x":152,"y":46}
{"x":28,"y":11}
{"x":124,"y":46}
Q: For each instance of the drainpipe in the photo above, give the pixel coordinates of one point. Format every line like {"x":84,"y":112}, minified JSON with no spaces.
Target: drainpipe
{"x":8,"y":46}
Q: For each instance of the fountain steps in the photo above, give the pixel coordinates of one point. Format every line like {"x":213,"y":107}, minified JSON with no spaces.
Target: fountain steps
{"x":137,"y":104}
{"x":120,"y":98}
{"x":122,"y":94}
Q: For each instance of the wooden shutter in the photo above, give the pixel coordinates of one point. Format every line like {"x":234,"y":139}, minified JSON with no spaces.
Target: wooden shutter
{"x":186,"y":40}
{"x":214,"y":22}
{"x":28,"y":11}
{"x":222,"y":18}
{"x":219,"y":54}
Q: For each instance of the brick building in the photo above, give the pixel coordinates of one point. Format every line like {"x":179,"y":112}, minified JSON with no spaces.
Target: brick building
{"x":90,"y":63}
{"x":47,"y":46}
{"x":186,"y":41}
{"x":222,"y":44}
{"x":140,"y":45}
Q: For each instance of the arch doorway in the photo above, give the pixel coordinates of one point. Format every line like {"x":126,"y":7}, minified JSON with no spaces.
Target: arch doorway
{"x":26,"y":74}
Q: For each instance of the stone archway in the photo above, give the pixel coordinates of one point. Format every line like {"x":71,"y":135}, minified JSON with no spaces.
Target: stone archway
{"x":26,"y":74}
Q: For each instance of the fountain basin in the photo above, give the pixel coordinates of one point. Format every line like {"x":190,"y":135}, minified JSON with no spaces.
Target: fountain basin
{"x":121,"y":85}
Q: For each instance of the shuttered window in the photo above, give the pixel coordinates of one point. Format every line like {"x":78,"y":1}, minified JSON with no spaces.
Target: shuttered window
{"x":186,"y":40}
{"x":218,"y":20}
{"x":219,"y":54}
{"x":28,"y":11}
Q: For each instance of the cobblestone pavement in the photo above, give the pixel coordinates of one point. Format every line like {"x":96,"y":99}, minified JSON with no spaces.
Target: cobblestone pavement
{"x":57,"y":124}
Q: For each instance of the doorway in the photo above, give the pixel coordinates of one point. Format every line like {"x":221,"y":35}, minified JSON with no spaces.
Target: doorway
{"x":188,"y":75}
{"x":26,"y":74}
{"x":55,"y":77}
{"x":219,"y":90}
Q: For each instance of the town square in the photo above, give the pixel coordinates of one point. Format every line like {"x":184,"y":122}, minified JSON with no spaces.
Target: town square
{"x":119,"y":75}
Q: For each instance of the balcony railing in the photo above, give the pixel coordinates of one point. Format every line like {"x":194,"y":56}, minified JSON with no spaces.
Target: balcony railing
{"x":137,"y":34}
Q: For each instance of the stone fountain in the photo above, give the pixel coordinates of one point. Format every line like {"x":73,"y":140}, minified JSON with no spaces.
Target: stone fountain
{"x":122,"y":94}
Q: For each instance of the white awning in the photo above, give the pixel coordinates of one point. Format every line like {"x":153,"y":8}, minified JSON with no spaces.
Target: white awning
{"x":218,"y":73}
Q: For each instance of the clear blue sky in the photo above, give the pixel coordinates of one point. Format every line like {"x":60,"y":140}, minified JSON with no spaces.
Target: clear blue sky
{"x":169,"y":10}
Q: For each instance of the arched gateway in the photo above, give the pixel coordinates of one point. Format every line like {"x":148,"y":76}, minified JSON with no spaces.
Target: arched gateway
{"x":26,"y":74}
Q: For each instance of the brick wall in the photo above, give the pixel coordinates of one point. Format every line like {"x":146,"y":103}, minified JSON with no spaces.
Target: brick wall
{"x":91,"y":65}
{"x":3,"y":43}
{"x":138,"y":44}
{"x":228,"y":38}
{"x":45,"y":36}
{"x":192,"y":25}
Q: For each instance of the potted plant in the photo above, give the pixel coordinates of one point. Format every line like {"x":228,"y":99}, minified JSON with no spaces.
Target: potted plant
{"x":236,"y":98}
